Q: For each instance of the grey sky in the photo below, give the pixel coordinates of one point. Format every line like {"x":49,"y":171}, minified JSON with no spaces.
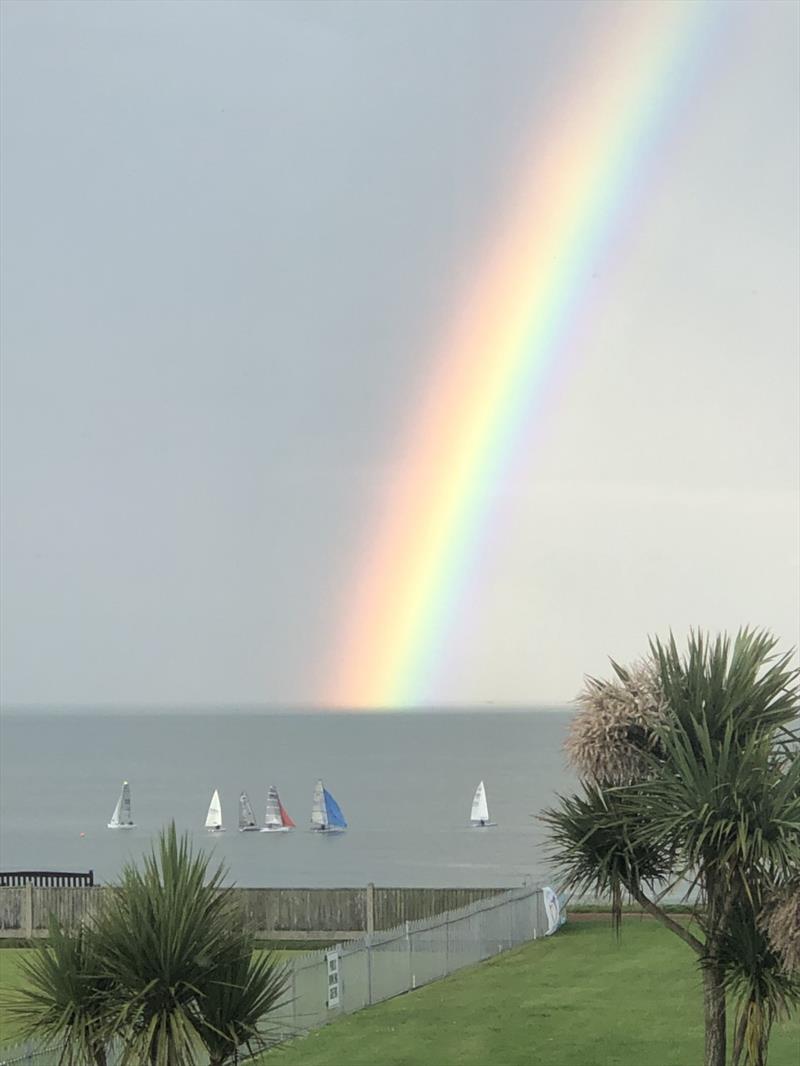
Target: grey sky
{"x":232,"y":234}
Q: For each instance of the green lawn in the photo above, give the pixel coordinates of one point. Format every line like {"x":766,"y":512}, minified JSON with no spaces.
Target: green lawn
{"x":577,"y":999}
{"x":10,"y":959}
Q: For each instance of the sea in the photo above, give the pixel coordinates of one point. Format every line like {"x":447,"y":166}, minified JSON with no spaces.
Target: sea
{"x":404,"y":780}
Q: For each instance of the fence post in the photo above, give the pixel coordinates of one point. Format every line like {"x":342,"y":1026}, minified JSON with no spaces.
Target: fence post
{"x":27,"y":910}
{"x":412,"y":984}
{"x":370,"y":908}
{"x":294,"y":996}
{"x":368,"y":941}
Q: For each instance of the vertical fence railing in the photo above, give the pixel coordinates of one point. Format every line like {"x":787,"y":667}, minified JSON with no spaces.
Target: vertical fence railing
{"x":388,"y":963}
{"x":383,"y":964}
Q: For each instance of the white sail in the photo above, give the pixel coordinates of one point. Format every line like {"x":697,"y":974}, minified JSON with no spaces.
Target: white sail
{"x":480,"y":808}
{"x":114,"y":823}
{"x":319,"y":815}
{"x":247,"y":819}
{"x":121,"y":818}
{"x":272,"y":815}
{"x":214,"y":816}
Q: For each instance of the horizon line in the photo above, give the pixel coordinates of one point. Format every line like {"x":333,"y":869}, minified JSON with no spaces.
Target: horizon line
{"x":246,"y":706}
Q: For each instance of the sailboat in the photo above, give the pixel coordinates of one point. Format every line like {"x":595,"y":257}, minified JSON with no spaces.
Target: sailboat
{"x":479,"y":817}
{"x":214,"y":816}
{"x":276,"y":819}
{"x":121,"y":818}
{"x":247,"y":820}
{"x":326,"y":815}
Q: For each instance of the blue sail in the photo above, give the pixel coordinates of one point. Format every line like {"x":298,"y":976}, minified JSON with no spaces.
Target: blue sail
{"x":335,"y":816}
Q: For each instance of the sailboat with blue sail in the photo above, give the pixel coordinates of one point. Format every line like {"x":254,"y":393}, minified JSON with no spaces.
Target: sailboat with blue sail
{"x":326,"y":814}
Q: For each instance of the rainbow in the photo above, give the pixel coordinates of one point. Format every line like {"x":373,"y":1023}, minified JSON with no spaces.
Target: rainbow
{"x":502,"y":347}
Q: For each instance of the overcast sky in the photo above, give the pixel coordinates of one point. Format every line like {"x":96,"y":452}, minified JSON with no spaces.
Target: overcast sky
{"x":232,"y":234}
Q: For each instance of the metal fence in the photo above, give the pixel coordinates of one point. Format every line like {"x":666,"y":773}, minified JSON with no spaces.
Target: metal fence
{"x":30,"y":1054}
{"x":357,"y":973}
{"x":343,"y":979}
{"x":33,"y":1054}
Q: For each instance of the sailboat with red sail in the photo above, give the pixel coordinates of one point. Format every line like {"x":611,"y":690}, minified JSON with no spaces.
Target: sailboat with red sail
{"x":276,"y":819}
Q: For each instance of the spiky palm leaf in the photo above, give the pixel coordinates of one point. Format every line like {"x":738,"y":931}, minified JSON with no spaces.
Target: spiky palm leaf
{"x":740,"y":681}
{"x":238,"y":1001}
{"x":164,"y":936}
{"x":763,"y":989}
{"x":726,"y":809}
{"x":597,"y":848}
{"x":64,"y":997}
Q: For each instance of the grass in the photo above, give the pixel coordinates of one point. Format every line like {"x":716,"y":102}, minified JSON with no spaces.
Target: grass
{"x":577,"y":999}
{"x":10,"y":977}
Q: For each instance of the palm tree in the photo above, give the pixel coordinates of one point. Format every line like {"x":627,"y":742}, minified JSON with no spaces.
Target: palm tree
{"x":64,"y":999}
{"x":166,"y":970}
{"x":236,"y":1002}
{"x":170,"y":938}
{"x":686,"y":778}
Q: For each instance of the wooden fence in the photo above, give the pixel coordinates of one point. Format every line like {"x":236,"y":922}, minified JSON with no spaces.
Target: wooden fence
{"x":274,"y":913}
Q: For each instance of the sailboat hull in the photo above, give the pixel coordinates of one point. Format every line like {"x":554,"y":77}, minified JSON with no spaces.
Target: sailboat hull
{"x":215,"y":829}
{"x":483,"y":825}
{"x":328,"y":829}
{"x":275,"y":829}
{"x":112,"y":826}
{"x":248,"y":829}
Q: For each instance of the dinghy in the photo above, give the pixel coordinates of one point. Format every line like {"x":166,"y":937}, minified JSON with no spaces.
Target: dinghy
{"x":247,"y":820}
{"x":479,"y":817}
{"x":214,"y":816}
{"x":326,"y":815}
{"x":121,"y":818}
{"x":276,"y":819}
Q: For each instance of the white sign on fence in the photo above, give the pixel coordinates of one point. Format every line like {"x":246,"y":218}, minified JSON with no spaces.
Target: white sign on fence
{"x":333,"y":979}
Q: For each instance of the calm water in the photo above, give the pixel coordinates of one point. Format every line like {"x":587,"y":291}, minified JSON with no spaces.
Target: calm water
{"x":404,"y":781}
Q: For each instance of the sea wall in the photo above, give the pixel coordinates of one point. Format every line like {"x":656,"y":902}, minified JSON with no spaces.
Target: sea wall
{"x":274,"y":913}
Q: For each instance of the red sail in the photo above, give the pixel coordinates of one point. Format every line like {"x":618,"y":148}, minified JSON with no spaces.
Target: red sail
{"x":285,"y":817}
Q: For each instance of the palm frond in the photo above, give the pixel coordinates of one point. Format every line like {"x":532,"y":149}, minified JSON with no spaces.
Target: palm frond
{"x":238,"y":1001}
{"x":64,"y":996}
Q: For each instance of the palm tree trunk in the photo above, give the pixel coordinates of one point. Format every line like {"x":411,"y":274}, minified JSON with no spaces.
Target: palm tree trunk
{"x":714,"y":1004}
{"x":738,"y":1043}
